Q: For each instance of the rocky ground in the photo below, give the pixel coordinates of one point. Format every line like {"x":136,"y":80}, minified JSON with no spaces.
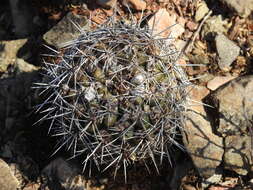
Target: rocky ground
{"x":216,"y":41}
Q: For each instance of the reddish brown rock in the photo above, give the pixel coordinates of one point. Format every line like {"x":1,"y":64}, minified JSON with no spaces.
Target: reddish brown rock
{"x":164,"y":24}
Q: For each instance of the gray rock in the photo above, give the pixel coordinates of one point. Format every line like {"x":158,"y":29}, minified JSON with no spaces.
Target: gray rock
{"x":204,"y":147}
{"x":227,"y":51}
{"x":65,"y":30}
{"x":7,"y":179}
{"x":242,"y":8}
{"x":63,"y":175}
{"x":233,"y":102}
{"x":237,"y":155}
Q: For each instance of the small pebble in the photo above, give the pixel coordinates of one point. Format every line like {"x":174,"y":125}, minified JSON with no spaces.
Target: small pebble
{"x":218,"y":81}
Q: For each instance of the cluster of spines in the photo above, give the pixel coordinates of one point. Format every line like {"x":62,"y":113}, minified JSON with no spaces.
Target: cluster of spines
{"x":139,"y":116}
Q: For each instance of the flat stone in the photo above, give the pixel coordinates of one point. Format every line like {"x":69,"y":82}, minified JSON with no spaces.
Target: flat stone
{"x":237,"y":155}
{"x":234,"y":104}
{"x":226,"y":50}
{"x":7,"y":179}
{"x":204,"y":147}
{"x":65,"y":31}
{"x":218,"y":81}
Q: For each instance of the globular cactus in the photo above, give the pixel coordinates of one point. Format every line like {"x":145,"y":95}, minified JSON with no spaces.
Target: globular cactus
{"x":115,"y":96}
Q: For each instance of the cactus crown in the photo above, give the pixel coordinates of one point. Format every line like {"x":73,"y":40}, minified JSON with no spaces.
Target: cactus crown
{"x":115,"y":95}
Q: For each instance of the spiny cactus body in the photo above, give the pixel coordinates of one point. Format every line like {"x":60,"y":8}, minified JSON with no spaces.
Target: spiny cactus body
{"x":115,"y":96}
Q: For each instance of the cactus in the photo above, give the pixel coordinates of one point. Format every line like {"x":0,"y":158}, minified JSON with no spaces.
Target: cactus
{"x":115,"y":96}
